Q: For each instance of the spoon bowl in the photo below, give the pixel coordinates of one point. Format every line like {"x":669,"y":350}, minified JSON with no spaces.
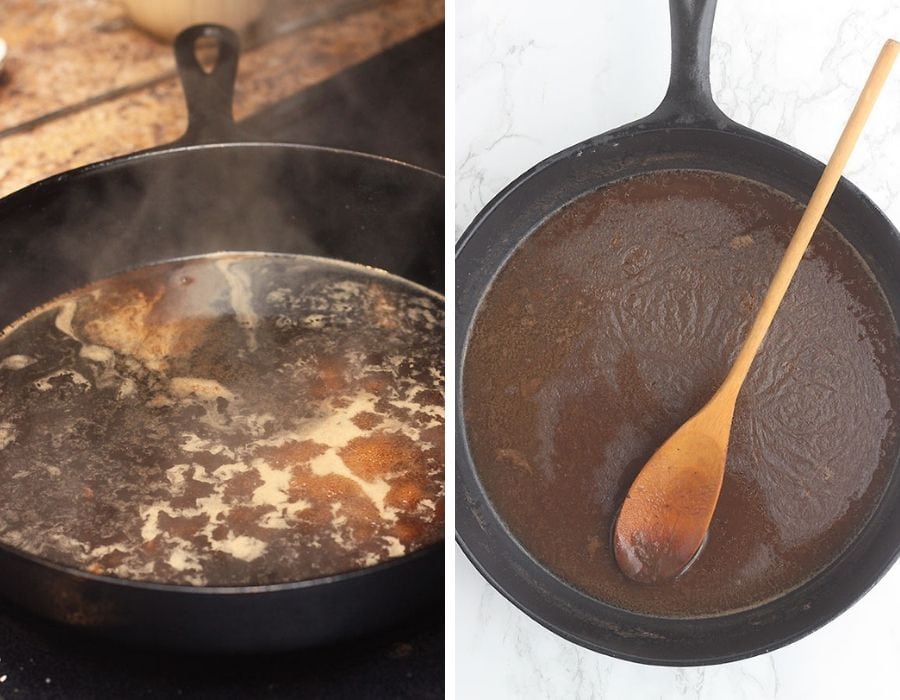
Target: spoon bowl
{"x":665,"y":517}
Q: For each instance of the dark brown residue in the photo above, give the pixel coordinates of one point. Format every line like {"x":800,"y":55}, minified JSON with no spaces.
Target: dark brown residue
{"x":587,"y":354}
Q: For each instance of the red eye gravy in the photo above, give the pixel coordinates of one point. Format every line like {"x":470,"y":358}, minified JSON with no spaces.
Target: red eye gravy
{"x":616,"y":320}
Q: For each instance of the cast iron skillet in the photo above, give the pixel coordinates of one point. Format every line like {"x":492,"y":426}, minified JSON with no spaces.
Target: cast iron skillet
{"x":687,"y":130}
{"x":192,"y":199}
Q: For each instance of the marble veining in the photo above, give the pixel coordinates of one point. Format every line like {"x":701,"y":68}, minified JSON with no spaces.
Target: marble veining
{"x":531,"y":81}
{"x":225,"y":420}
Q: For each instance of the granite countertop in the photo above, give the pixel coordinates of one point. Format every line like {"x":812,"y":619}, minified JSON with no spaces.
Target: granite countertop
{"x":82,"y":84}
{"x":532,"y":83}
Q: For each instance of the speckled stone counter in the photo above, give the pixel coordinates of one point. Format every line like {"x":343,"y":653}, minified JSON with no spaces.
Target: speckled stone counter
{"x":81,"y":83}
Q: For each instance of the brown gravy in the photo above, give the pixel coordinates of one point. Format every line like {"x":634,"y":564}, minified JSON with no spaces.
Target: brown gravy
{"x":615,"y":321}
{"x":234,"y":419}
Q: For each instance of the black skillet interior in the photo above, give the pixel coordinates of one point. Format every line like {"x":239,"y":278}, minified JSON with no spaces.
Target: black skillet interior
{"x":686,"y":131}
{"x":192,"y":199}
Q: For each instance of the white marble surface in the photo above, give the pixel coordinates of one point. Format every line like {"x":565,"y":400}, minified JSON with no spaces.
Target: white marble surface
{"x":533,"y":78}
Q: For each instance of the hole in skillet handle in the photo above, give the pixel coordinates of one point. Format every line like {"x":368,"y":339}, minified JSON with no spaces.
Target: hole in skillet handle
{"x":206,"y":51}
{"x":208,"y":91}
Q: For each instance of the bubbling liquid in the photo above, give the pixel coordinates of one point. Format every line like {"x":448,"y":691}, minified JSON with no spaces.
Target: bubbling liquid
{"x":234,"y":419}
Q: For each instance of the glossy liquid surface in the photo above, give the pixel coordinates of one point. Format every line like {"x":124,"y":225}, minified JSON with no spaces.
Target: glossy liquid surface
{"x":616,"y":320}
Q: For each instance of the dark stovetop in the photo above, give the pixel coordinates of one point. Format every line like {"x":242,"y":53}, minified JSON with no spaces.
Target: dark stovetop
{"x":392,"y":105}
{"x":42,"y":660}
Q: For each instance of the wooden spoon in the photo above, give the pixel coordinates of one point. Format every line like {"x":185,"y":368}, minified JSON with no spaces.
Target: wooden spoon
{"x":665,"y":517}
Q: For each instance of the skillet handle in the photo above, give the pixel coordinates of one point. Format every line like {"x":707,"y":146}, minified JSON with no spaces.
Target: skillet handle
{"x":689,"y":100}
{"x":208,"y":95}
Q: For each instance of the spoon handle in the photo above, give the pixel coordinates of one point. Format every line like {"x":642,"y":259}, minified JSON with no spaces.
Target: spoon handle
{"x":811,"y":217}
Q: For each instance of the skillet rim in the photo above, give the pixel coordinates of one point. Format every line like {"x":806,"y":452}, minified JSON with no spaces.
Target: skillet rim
{"x":138,"y":157}
{"x":467,"y":475}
